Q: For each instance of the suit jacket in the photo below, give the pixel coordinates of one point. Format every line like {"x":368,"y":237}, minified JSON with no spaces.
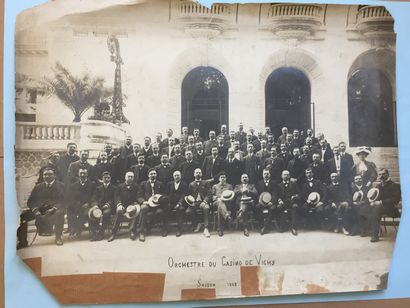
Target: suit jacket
{"x":145,"y":190}
{"x":234,"y":170}
{"x":349,"y":159}
{"x":140,"y":173}
{"x":187,"y":170}
{"x":211,"y":169}
{"x":126,"y":195}
{"x":286,"y":157}
{"x":327,"y":154}
{"x":276,"y":166}
{"x":42,"y":195}
{"x":104,"y":196}
{"x":131,"y":160}
{"x":218,"y":189}
{"x":176,"y":195}
{"x":390,"y":193}
{"x":319,"y":171}
{"x":338,"y":193}
{"x":200,"y":158}
{"x":164,"y":173}
{"x":288,"y":192}
{"x":363,"y":189}
{"x":241,"y":136}
{"x":313,"y":186}
{"x":153,"y":161}
{"x":126,"y":151}
{"x":200,"y":190}
{"x":78,"y":194}
{"x":168,"y":150}
{"x":251,"y":168}
{"x":250,"y":192}
{"x":146,"y":152}
{"x":63,"y":163}
{"x":208,"y":146}
{"x":282,"y":139}
{"x":297,"y":169}
{"x":99,"y":169}
{"x":270,"y":187}
{"x":244,"y":146}
{"x":72,"y":174}
{"x":263,"y":155}
{"x":222,"y":151}
{"x":345,"y":171}
{"x":176,"y":161}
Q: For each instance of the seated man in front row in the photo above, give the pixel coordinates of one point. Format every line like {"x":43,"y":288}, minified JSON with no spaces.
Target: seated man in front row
{"x":157,"y":206}
{"x":176,"y":191}
{"x":78,"y":202}
{"x":221,"y":205}
{"x":245,"y":195}
{"x":288,"y":203}
{"x":265,"y":209}
{"x":103,"y":198}
{"x":126,"y":206}
{"x":386,"y":203}
{"x":200,"y":190}
{"x":46,"y":207}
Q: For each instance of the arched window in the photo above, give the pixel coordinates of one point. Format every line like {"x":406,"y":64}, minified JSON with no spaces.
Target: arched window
{"x":205,"y":95}
{"x":287,"y":98}
{"x":371,"y":109}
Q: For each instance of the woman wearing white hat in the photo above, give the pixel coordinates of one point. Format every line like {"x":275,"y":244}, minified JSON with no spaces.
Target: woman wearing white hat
{"x":365,"y":168}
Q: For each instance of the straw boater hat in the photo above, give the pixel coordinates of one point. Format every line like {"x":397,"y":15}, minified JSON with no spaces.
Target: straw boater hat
{"x":154,"y":200}
{"x":314,"y":197}
{"x":132,"y":211}
{"x":363,"y":149}
{"x":94,"y":213}
{"x":358,"y":196}
{"x":373,"y":194}
{"x":190,"y":200}
{"x":227,"y":195}
{"x":265,"y":198}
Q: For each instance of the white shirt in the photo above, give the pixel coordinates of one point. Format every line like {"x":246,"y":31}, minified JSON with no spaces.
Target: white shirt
{"x":176,"y":185}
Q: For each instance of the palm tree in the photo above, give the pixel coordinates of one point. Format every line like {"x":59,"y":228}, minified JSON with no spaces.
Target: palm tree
{"x":78,"y":94}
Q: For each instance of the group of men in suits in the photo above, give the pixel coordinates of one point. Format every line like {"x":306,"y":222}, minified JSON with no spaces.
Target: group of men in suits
{"x":294,"y":180}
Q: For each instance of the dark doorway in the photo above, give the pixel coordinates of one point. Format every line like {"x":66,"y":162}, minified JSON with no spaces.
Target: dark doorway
{"x":371,"y":109}
{"x":205,"y":96}
{"x":287,"y":98}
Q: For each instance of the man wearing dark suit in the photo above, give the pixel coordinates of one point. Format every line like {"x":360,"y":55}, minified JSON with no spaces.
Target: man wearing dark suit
{"x":312,"y":212}
{"x":288,"y":203}
{"x":176,"y":191}
{"x":126,"y":195}
{"x":340,"y":166}
{"x":220,"y":206}
{"x":210,"y":143}
{"x":65,"y":161}
{"x":386,"y":203}
{"x":318,"y":168}
{"x":159,"y":141}
{"x":265,"y":212}
{"x":116,"y":163}
{"x":224,"y":134}
{"x":360,"y":214}
{"x":53,"y":164}
{"x":140,"y":170}
{"x":132,"y":159}
{"x":297,"y":168}
{"x":100,"y":167}
{"x":263,"y":153}
{"x":164,"y":170}
{"x":271,"y":143}
{"x":155,"y":158}
{"x":177,"y":160}
{"x":296,"y":138}
{"x":104,"y":198}
{"x":146,"y":149}
{"x":338,"y":204}
{"x":46,"y":207}
{"x":245,"y":197}
{"x":169,"y":132}
{"x":222,"y":148}
{"x":184,"y":137}
{"x":125,"y":151}
{"x":282,"y":138}
{"x":348,"y":157}
{"x":146,"y":190}
{"x":200,"y":155}
{"x":325,"y":151}
{"x":306,"y":155}
{"x":188,"y":167}
{"x":190,"y":146}
{"x":213,"y":164}
{"x":241,"y":135}
{"x":284,"y":154}
{"x":309,"y":134}
{"x":169,"y":149}
{"x":251,"y":165}
{"x":275,"y":165}
{"x":197,"y":137}
{"x":78,"y":201}
{"x":249,"y":141}
{"x":72,"y":174}
{"x":234,"y":168}
{"x":200,"y":190}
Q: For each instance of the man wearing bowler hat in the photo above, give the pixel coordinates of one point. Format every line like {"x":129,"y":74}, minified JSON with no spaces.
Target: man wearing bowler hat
{"x":383,"y":202}
{"x":245,"y":197}
{"x":313,"y":193}
{"x":265,"y":208}
{"x":176,"y":192}
{"x":45,"y":206}
{"x":200,"y":190}
{"x":126,"y":206}
{"x":221,"y":206}
{"x":78,"y":202}
{"x":153,"y":203}
{"x":288,"y":203}
{"x":104,"y":199}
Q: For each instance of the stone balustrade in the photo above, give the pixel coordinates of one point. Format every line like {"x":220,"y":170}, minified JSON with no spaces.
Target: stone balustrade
{"x":376,"y":24}
{"x":188,"y":8}
{"x":48,"y":132}
{"x":370,"y":13}
{"x":295,"y":10}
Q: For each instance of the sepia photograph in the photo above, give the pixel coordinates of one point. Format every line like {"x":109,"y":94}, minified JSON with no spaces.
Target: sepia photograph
{"x":169,"y":151}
